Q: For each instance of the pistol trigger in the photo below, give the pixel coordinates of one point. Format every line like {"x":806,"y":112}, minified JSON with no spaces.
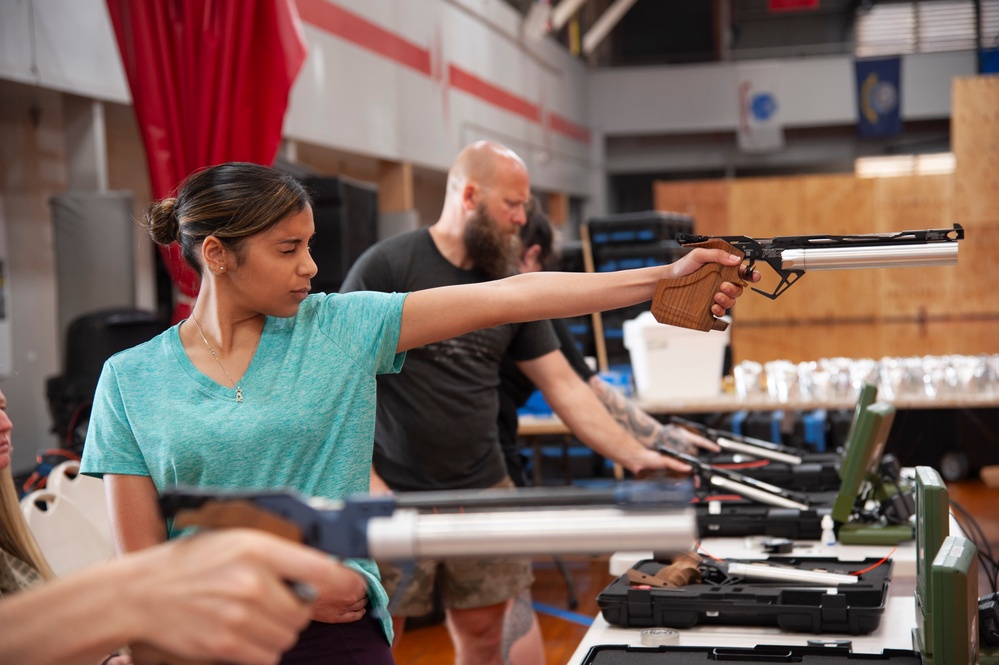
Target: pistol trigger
{"x":787,"y":278}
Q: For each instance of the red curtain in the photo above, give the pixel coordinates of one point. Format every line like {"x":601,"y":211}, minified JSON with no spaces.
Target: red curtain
{"x":210,"y":81}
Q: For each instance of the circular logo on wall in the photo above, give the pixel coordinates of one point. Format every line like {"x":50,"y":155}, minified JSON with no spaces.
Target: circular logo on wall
{"x":877,"y":98}
{"x":763,"y":105}
{"x":883,"y":97}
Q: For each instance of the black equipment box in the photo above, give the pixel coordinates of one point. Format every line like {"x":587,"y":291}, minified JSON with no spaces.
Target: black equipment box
{"x":745,"y":518}
{"x":619,"y":654}
{"x":818,"y":472}
{"x":728,"y":599}
{"x":737,"y":517}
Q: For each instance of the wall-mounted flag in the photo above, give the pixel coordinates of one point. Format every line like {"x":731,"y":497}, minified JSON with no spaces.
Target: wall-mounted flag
{"x":988,"y":61}
{"x":758,"y":89}
{"x":879,"y":97}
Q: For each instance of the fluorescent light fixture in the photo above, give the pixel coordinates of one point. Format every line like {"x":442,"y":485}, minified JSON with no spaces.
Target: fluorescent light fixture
{"x":901,"y":165}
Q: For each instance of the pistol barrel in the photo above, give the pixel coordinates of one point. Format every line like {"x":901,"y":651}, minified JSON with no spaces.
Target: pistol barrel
{"x":408,"y":534}
{"x":843,"y":258}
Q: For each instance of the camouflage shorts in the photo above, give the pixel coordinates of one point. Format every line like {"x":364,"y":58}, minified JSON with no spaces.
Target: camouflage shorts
{"x":463,"y":583}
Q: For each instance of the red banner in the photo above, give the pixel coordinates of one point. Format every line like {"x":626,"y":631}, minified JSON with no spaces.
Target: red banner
{"x":210,"y":83}
{"x":791,"y":5}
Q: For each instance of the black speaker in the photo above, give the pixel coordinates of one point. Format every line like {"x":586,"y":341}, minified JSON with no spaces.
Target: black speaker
{"x":346,"y":215}
{"x":90,"y":340}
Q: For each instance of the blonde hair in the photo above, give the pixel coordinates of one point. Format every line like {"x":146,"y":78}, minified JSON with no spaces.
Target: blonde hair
{"x":15,"y":536}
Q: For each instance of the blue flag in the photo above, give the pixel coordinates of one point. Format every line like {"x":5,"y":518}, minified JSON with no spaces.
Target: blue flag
{"x":988,"y":61}
{"x":879,"y":97}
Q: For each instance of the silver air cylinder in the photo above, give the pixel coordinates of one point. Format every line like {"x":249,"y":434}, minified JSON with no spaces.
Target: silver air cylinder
{"x":842,"y":258}
{"x":408,"y":534}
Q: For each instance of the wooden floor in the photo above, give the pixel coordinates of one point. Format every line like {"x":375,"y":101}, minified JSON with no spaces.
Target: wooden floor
{"x":430,"y":645}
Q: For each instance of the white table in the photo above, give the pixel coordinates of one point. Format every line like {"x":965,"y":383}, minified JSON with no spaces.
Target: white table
{"x":894,"y":632}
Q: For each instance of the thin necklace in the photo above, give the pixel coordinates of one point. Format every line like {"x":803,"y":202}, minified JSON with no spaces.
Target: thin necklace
{"x":239,"y":391}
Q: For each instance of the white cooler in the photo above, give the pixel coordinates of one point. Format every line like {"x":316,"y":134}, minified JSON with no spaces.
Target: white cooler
{"x":672,"y":362}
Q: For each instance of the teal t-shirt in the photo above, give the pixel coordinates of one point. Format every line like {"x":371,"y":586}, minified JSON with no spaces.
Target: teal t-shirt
{"x":306,"y":422}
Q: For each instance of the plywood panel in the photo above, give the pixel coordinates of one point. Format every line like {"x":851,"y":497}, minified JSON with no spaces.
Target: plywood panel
{"x":975,"y":141}
{"x":707,"y":201}
{"x":764,"y":208}
{"x":864,"y":339}
{"x":914,"y":202}
{"x":917,"y":202}
{"x":838,"y":205}
{"x":798,"y":343}
{"x":977,"y":271}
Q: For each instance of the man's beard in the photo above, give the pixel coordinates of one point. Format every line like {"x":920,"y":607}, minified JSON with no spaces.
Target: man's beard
{"x":491,"y":251}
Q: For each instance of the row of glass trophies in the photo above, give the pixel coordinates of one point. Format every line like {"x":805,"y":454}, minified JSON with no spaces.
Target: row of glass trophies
{"x":837,"y":379}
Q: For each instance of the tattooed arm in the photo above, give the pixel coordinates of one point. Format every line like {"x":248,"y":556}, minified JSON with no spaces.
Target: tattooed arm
{"x":647,"y":430}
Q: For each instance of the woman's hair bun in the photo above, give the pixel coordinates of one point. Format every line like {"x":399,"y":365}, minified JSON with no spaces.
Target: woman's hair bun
{"x":161,"y":220}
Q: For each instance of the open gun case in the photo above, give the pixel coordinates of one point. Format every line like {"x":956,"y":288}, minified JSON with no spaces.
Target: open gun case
{"x":816,"y":472}
{"x":619,"y":654}
{"x":724,"y":597}
{"x":872,"y":505}
{"x":794,"y":469}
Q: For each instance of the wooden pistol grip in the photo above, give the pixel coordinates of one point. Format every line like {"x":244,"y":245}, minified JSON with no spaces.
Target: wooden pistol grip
{"x":686,"y":301}
{"x":216,"y":515}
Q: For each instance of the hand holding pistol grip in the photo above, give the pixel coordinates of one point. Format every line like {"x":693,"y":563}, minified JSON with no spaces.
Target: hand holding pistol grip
{"x":686,"y":301}
{"x":216,"y":515}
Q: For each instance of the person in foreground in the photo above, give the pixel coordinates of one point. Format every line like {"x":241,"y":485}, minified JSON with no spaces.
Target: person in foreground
{"x":269,"y":387}
{"x":436,"y":419}
{"x":217,"y":596}
{"x":22,"y":565}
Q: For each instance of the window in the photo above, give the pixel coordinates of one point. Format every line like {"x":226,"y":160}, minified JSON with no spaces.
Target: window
{"x":919,"y":27}
{"x":990,"y":23}
{"x":928,"y":164}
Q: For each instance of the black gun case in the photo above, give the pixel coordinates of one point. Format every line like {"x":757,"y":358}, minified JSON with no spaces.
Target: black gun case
{"x":724,"y":599}
{"x":726,"y":515}
{"x":817,"y":472}
{"x":619,"y":654}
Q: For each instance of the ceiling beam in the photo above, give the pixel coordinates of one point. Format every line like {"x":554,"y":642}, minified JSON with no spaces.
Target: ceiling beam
{"x":564,"y":11}
{"x":543,"y":17}
{"x":603,"y":25}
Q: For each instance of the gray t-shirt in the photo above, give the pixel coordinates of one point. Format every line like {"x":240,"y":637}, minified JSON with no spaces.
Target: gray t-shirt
{"x":436,"y":420}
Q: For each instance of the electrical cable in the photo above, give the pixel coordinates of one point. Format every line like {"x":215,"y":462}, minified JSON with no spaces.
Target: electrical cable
{"x":981,"y":541}
{"x":875,"y":565}
{"x":698,"y":548}
{"x":756,"y":464}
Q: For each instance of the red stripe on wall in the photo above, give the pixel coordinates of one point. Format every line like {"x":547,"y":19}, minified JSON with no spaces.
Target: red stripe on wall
{"x":372,"y":37}
{"x":362,"y":32}
{"x":473,"y":85}
{"x":569,"y":128}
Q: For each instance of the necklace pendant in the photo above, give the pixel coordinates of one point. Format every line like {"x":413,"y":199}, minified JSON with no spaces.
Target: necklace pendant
{"x":239,"y":394}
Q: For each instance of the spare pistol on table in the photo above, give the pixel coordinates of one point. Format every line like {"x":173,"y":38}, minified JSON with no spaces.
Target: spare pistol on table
{"x":636,"y":515}
{"x":731,"y":442}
